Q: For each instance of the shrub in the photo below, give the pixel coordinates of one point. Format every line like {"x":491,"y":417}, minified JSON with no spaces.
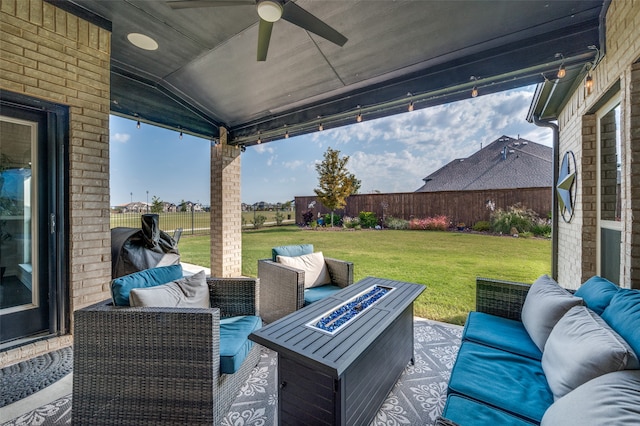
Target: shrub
{"x":482,"y":226}
{"x":336,"y":219}
{"x":307,"y":217}
{"x":396,"y":223}
{"x":516,"y":216}
{"x":542,"y":230}
{"x":368,"y":219}
{"x":279,"y":218}
{"x":351,"y":222}
{"x":258,"y":221}
{"x":437,"y":223}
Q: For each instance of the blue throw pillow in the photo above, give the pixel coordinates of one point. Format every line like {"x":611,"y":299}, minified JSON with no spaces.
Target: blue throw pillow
{"x":121,"y":286}
{"x":597,"y":292}
{"x":291,"y":251}
{"x":623,"y":315}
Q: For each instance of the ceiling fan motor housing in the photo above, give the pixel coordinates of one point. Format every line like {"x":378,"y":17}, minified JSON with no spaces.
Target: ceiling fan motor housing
{"x":269,"y":10}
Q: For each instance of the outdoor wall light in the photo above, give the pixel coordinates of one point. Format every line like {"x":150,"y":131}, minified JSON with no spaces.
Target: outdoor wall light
{"x":269,"y":10}
{"x":588,"y":83}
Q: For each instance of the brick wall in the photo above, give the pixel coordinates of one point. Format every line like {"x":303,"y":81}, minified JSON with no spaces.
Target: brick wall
{"x":49,"y":54}
{"x":577,"y":240}
{"x":226,"y":225}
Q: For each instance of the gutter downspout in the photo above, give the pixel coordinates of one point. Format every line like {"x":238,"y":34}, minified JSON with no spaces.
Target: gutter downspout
{"x":554,"y":198}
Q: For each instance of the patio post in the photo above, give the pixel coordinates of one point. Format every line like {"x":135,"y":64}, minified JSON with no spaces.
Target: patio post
{"x":226,"y":224}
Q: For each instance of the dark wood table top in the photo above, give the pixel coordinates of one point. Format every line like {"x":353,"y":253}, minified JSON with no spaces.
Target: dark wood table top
{"x":333,"y":353}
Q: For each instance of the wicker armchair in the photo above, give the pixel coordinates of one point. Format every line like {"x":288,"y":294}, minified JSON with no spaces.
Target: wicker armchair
{"x":282,"y":287}
{"x":159,"y":365}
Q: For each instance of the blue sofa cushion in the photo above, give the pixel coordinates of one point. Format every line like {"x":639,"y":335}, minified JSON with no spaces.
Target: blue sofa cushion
{"x":597,"y":292}
{"x":234,"y":341}
{"x":291,"y":251}
{"x":500,"y":333}
{"x":121,"y":286}
{"x":512,"y":382}
{"x":314,"y":294}
{"x":623,"y":315}
{"x":466,"y":411}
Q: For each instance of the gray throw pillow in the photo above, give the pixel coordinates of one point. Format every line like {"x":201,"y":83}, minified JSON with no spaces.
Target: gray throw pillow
{"x":187,"y":292}
{"x":582,"y":347}
{"x":545,"y":304}
{"x":612,"y":399}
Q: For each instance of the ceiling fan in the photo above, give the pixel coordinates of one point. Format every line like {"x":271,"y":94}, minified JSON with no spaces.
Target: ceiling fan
{"x":271,"y":11}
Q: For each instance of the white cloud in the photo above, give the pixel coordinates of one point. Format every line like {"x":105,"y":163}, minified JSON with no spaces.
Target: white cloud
{"x":263,"y":148}
{"x":121,"y":137}
{"x":293,"y":165}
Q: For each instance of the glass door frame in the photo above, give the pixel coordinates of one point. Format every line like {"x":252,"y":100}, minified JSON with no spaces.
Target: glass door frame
{"x":613,"y":225}
{"x":54,"y":211}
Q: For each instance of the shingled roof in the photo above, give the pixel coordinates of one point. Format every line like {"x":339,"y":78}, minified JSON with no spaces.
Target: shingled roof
{"x":504,"y":163}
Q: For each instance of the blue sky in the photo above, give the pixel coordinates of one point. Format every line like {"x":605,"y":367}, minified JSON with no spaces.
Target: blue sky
{"x":391,"y":154}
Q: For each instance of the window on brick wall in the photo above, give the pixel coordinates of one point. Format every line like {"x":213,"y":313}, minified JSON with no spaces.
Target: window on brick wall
{"x":609,"y":189}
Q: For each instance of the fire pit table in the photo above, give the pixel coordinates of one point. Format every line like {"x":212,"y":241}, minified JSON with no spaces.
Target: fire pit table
{"x":339,"y":358}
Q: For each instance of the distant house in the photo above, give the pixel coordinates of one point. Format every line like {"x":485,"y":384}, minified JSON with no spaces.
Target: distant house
{"x":503,"y":164}
{"x":134,"y":207}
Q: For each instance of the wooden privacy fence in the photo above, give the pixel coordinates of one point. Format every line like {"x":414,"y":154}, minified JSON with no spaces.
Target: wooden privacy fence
{"x":459,"y":206}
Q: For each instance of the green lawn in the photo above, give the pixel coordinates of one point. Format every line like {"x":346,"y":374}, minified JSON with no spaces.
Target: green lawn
{"x":446,"y":262}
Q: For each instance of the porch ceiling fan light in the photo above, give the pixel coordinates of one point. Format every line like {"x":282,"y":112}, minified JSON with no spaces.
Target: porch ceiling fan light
{"x":269,"y":10}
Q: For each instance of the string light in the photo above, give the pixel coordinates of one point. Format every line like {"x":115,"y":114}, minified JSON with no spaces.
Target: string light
{"x":561,"y":71}
{"x":138,"y":124}
{"x":286,"y":134}
{"x":410,"y":108}
{"x":474,"y":91}
{"x":259,"y":141}
{"x":320,"y":127}
{"x":181,"y":134}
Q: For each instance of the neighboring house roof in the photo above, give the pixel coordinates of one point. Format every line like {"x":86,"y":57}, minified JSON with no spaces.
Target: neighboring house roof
{"x":504,"y":163}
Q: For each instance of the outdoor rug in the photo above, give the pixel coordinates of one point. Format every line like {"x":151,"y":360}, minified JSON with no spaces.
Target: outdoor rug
{"x":21,"y":380}
{"x":417,"y":399}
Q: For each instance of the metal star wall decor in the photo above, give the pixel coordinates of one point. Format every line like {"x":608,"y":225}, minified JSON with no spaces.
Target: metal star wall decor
{"x":566,"y":187}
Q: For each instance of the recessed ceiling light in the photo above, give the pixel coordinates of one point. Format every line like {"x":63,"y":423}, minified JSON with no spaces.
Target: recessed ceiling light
{"x":142,"y":41}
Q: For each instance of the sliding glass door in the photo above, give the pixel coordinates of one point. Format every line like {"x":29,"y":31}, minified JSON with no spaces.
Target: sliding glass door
{"x":30,"y":279}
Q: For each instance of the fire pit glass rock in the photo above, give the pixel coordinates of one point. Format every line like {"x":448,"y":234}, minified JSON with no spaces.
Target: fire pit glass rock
{"x":332,"y":321}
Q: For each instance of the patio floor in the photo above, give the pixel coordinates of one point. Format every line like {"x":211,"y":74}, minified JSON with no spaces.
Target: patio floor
{"x":417,"y":398}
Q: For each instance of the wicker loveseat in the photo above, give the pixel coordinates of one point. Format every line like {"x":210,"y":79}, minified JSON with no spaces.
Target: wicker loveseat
{"x":135,"y":365}
{"x":283,"y":287}
{"x":542,"y":355}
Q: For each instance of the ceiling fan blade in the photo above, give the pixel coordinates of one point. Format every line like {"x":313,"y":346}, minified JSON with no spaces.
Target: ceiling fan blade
{"x":264,"y":36}
{"x":305,"y":20}
{"x":191,"y":4}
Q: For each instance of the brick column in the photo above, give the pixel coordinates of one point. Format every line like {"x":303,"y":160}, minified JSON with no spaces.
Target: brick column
{"x":226,"y":222}
{"x":588,"y":182}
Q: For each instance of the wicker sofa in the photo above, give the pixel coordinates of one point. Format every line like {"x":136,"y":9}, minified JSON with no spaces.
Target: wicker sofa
{"x":135,"y":365}
{"x":583,"y":373}
{"x":283,"y":287}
